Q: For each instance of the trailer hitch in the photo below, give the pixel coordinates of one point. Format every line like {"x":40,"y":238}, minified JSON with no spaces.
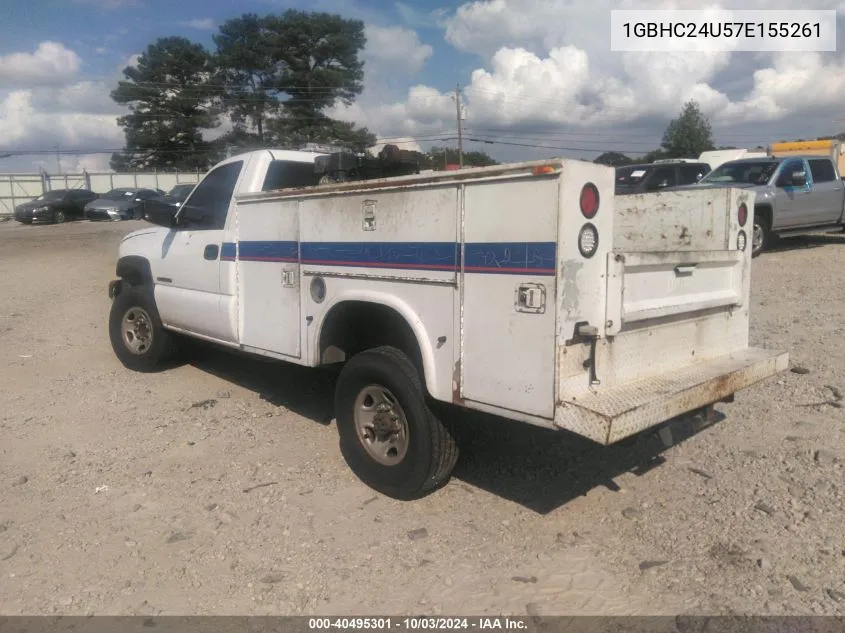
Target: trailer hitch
{"x":589,"y":333}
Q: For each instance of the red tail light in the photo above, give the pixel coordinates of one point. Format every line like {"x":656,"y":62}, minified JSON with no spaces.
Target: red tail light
{"x":742,"y":214}
{"x":589,"y":200}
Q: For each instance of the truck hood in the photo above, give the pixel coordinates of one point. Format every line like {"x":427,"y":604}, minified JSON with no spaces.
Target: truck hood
{"x":153,"y":230}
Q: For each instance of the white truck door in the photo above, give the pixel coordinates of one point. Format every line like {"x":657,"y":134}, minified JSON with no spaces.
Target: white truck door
{"x":508,"y":269}
{"x":187,"y":283}
{"x":268,"y":275}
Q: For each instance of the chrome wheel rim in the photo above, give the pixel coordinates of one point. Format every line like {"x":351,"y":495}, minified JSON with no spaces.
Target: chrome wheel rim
{"x":137,"y":330}
{"x":757,"y":238}
{"x":381,"y":425}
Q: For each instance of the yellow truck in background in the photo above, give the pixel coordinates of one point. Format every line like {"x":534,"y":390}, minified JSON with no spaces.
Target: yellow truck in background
{"x":830,"y":148}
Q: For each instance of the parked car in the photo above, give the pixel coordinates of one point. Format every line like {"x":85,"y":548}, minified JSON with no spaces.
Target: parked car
{"x":168,"y":203}
{"x":656,"y":176}
{"x":124,"y":203}
{"x":57,"y":206}
{"x":794,"y":194}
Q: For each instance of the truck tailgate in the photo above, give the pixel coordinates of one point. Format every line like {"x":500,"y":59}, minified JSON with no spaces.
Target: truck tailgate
{"x":675,"y":334}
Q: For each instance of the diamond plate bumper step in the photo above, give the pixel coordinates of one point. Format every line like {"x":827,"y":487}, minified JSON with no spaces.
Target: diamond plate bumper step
{"x":612,"y":414}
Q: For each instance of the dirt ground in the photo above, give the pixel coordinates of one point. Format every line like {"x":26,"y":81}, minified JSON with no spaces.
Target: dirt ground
{"x":123,"y":493}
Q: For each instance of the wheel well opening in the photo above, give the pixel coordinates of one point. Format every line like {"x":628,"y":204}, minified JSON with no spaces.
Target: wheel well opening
{"x":135,"y":271}
{"x":764,"y":212}
{"x":354,"y":326}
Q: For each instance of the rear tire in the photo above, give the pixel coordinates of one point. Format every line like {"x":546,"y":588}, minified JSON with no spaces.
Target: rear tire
{"x":389,"y":436}
{"x":137,"y":337}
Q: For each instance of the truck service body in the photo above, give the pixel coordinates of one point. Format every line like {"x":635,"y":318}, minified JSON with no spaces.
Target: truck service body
{"x":525,"y":290}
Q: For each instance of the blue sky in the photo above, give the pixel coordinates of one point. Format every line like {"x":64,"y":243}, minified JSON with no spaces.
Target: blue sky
{"x":124,"y":28}
{"x":538,"y":76}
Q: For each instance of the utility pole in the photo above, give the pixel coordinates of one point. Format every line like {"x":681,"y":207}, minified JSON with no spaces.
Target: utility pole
{"x":460,"y":130}
{"x":58,"y":159}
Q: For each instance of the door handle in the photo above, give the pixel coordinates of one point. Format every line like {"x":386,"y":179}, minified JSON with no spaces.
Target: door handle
{"x":685,"y":270}
{"x":211,"y":251}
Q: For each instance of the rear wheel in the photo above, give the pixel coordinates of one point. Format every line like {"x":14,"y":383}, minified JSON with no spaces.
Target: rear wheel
{"x":389,"y":436}
{"x":137,"y":337}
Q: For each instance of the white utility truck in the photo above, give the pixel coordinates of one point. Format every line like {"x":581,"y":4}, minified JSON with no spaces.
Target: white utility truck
{"x":524,"y":290}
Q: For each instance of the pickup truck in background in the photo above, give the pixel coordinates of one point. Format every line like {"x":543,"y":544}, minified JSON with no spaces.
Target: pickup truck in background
{"x":587,"y":313}
{"x":658,"y":175}
{"x":794,"y":194}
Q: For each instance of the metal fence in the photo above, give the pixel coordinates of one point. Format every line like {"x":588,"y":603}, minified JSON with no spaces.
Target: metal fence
{"x":16,"y":189}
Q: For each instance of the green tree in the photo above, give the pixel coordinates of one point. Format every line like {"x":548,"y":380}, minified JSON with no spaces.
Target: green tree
{"x":613,"y":159}
{"x":170,"y":95}
{"x":249,"y":72}
{"x":293,"y":131}
{"x":279,"y":73}
{"x":689,"y":134}
{"x":319,"y":57}
{"x":437,"y":160}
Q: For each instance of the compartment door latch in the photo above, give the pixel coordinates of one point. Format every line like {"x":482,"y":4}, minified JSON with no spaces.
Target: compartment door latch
{"x":531,"y":298}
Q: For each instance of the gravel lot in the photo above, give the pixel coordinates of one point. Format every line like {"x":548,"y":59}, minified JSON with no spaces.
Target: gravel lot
{"x":123,"y":493}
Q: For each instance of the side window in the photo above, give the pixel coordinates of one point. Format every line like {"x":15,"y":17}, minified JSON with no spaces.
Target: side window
{"x":822,"y":170}
{"x":285,"y":174}
{"x":208,"y":205}
{"x":662,"y":177}
{"x":792,"y":167}
{"x":692,"y":173}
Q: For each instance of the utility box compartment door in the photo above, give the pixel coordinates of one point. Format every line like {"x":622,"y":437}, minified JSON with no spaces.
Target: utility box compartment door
{"x":268,"y":276}
{"x":643,"y":286}
{"x":508,"y":269}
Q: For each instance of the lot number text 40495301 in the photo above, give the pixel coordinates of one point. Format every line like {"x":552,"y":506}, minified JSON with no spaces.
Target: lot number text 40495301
{"x":417,"y":623}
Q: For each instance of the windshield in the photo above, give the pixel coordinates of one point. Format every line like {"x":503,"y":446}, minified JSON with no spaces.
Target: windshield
{"x":51,"y":195}
{"x":630,"y":176}
{"x":748,"y":173}
{"x":119,"y":194}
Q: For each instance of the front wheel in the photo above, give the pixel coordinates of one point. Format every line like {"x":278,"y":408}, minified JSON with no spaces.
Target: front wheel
{"x":137,"y":337}
{"x":59,"y":217}
{"x":389,"y":436}
{"x":760,"y":235}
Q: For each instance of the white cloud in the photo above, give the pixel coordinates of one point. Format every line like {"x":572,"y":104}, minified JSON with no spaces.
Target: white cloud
{"x":50,"y":64}
{"x":201,"y":24}
{"x":394,"y":49}
{"x":77,"y":116}
{"x":546,"y":66}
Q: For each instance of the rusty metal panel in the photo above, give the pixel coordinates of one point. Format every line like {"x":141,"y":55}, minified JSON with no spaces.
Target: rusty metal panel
{"x":611,"y":415}
{"x":670,"y":221}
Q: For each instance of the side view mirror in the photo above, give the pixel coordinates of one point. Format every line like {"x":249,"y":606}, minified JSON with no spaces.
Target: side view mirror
{"x":161,"y":217}
{"x":799,"y":178}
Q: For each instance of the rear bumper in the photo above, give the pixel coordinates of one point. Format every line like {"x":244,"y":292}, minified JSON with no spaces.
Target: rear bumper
{"x":609,"y":415}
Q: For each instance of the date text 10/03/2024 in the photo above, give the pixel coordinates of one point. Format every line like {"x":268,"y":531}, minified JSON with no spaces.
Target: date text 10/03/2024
{"x":723,"y":29}
{"x":416,"y":623}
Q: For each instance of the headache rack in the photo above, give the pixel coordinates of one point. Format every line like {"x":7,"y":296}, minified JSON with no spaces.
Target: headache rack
{"x":346,"y":166}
